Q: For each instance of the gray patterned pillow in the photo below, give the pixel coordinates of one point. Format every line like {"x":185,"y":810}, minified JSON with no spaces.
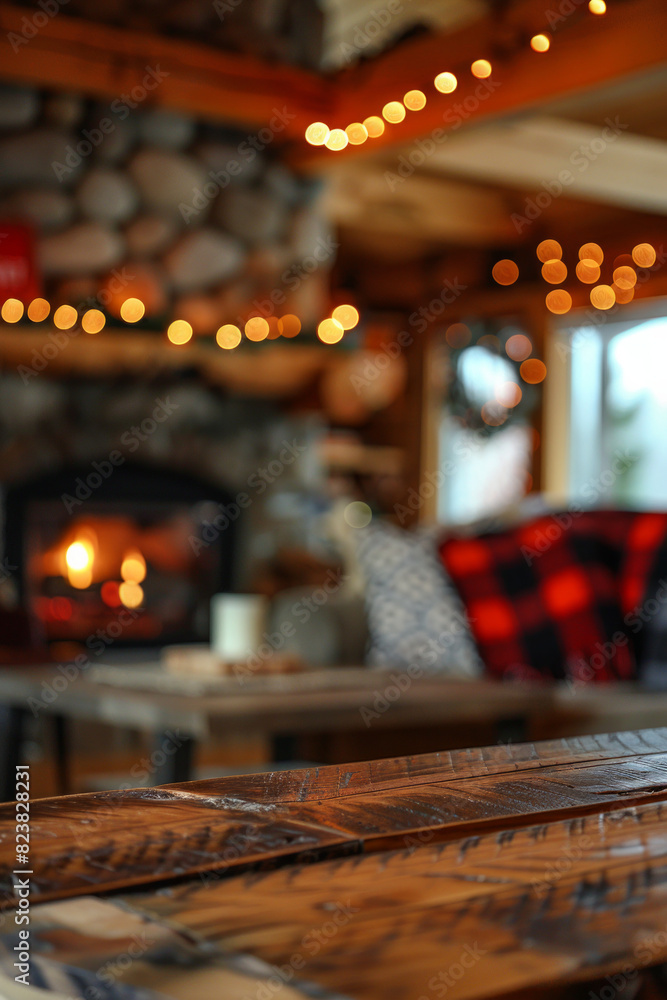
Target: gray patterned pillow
{"x":415,"y":615}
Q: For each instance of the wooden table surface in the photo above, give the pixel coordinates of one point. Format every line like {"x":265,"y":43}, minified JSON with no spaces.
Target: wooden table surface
{"x":466,"y":874}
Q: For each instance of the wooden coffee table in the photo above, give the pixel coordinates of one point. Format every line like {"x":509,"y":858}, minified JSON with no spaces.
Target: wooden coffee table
{"x":468,"y":874}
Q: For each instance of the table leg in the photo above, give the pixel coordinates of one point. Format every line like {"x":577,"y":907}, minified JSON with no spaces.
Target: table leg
{"x":12,"y":728}
{"x":173,"y":759}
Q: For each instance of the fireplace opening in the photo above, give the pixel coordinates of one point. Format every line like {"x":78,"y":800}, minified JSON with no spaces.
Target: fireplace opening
{"x":135,"y":557}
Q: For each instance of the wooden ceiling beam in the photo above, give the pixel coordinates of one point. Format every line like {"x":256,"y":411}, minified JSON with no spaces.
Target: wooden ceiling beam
{"x":73,"y":54}
{"x":587,"y":52}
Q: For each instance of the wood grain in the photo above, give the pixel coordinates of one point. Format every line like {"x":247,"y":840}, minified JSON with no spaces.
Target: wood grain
{"x":100,"y":841}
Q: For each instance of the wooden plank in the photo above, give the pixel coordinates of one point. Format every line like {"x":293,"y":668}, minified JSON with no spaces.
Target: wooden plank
{"x":559,"y":902}
{"x":70,"y":53}
{"x":108,"y":840}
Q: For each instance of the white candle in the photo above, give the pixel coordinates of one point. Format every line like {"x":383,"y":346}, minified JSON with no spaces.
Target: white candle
{"x":238,"y":622}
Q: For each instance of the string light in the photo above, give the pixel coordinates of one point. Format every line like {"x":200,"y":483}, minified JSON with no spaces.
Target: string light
{"x":374,"y":126}
{"x":505,"y":272}
{"x":356,"y":133}
{"x":481,"y":68}
{"x":257,"y":329}
{"x":415,"y":100}
{"x":38,"y":310}
{"x":446,"y":83}
{"x":554,"y":272}
{"x":644,"y":255}
{"x":336,"y":140}
{"x":591,"y":251}
{"x":228,"y":337}
{"x":289,"y":326}
{"x":540,"y":43}
{"x":518,"y":347}
{"x":65,"y":317}
{"x":317,"y":134}
{"x":393,"y":112}
{"x":12,"y":311}
{"x":347,"y":316}
{"x":588,"y":272}
{"x":132,"y":310}
{"x":179,"y":332}
{"x":330,"y":331}
{"x":603,"y":297}
{"x":533,"y":371}
{"x":558,"y":302}
{"x":597,"y":6}
{"x":549,"y":250}
{"x":93,"y":321}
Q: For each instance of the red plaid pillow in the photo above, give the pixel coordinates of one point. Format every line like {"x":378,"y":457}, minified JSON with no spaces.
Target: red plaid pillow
{"x":543,"y":598}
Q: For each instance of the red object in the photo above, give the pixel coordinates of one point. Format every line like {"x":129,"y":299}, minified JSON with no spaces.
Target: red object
{"x":552,"y":598}
{"x":19,"y":278}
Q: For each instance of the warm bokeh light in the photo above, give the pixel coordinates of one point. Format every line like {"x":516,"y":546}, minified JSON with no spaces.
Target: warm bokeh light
{"x":179,"y":332}
{"x":289,"y":325}
{"x":591,"y":251}
{"x":93,"y":320}
{"x":625,"y":277}
{"x":554,"y":271}
{"x":549,"y":250}
{"x":597,"y":6}
{"x":131,"y":595}
{"x":65,"y":317}
{"x":346,"y":315}
{"x":133,"y":567}
{"x":356,"y":133}
{"x":518,"y":347}
{"x":481,"y":68}
{"x":644,"y":255}
{"x":38,"y":310}
{"x":505,"y":272}
{"x":257,"y":329}
{"x":78,"y":556}
{"x":540,"y":43}
{"x":508,"y":394}
{"x":603,"y":297}
{"x":623,"y":295}
{"x":358,"y":514}
{"x":588,"y":272}
{"x":493,"y":414}
{"x":374,"y":126}
{"x":132,"y":310}
{"x":446,"y":83}
{"x":624,"y":260}
{"x":393,"y":112}
{"x":415,"y":100}
{"x":317,"y":134}
{"x":330,"y":331}
{"x":228,"y":337}
{"x":533,"y":371}
{"x":274,"y":328}
{"x":458,"y":336}
{"x":336,"y":140}
{"x":12,"y":310}
{"x":559,"y":301}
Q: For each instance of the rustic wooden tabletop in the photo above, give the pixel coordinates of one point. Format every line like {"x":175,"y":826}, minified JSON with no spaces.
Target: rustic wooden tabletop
{"x":525,"y":870}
